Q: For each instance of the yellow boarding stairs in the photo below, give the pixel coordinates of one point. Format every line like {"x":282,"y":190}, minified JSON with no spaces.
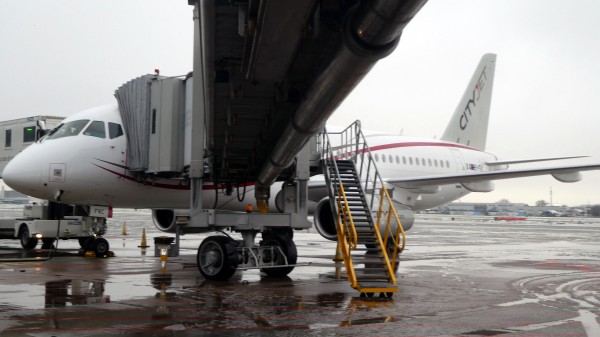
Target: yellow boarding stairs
{"x":357,"y":195}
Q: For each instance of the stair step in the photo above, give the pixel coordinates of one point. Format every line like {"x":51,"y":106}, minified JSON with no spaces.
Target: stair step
{"x":372,"y":284}
{"x":371,"y":278}
{"x":379,"y":270}
{"x":368,"y":258}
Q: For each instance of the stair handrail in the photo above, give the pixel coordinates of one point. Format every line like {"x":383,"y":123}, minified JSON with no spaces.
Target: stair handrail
{"x":345,"y":215}
{"x":353,"y":146}
{"x":395,"y":237}
{"x":346,"y":242}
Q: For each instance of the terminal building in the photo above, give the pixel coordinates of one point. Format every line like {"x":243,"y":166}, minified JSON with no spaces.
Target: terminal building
{"x":510,"y":209}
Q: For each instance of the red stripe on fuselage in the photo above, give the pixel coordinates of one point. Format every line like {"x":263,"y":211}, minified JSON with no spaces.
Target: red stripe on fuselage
{"x":418,"y":144}
{"x":163,"y":185}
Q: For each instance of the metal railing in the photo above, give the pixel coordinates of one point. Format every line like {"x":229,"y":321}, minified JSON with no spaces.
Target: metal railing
{"x":350,"y":144}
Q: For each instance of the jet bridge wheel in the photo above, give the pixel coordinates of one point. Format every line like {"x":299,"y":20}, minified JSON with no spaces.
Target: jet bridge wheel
{"x":27,"y":241}
{"x":274,"y":256}
{"x":217,"y":258}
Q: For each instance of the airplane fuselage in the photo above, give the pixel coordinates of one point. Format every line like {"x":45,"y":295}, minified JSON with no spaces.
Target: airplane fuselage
{"x":90,"y":169}
{"x":400,"y":156}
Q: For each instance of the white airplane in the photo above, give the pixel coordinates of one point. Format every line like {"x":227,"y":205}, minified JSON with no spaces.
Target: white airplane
{"x":83,"y":162}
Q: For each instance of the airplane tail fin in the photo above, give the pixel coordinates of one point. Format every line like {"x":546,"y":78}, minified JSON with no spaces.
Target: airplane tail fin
{"x":469,"y":124}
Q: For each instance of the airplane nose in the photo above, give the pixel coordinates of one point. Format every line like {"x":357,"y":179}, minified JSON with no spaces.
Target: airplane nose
{"x":21,"y":176}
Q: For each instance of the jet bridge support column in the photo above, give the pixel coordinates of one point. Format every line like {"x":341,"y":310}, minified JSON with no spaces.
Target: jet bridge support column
{"x":196,"y":110}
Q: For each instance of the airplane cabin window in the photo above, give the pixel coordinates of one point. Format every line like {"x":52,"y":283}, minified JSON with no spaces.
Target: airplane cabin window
{"x":397,"y":159}
{"x":391,"y":158}
{"x":383,"y":158}
{"x":410,"y":160}
{"x":404,"y":160}
{"x":376,"y":157}
{"x":435,"y":162}
{"x":96,"y":129}
{"x":114,"y":130}
{"x":68,"y":129}
{"x":429,"y":162}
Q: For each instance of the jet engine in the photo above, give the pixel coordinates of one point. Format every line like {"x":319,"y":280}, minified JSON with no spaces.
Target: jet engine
{"x":166,"y":219}
{"x":324,"y":219}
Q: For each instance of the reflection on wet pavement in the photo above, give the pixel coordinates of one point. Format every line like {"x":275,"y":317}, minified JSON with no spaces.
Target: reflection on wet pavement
{"x":74,"y":292}
{"x":456,"y":278}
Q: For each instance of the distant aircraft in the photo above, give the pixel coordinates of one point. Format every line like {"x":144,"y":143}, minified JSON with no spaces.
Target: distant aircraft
{"x":83,"y":162}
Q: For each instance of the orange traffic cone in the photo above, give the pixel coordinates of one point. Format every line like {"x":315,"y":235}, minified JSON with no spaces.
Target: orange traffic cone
{"x":144,"y":244}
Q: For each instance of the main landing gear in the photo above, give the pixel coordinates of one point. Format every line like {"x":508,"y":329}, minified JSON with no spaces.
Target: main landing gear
{"x":220,"y":256}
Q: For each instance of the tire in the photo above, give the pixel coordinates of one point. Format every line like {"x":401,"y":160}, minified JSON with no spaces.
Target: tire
{"x":48,"y":243}
{"x":100,"y":247}
{"x":285,"y":233}
{"x":85,"y":242}
{"x":27,"y":241}
{"x":217,"y":258}
{"x":288,"y":247}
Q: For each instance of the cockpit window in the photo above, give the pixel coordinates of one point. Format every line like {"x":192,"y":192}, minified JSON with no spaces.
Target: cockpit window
{"x":114,"y":130}
{"x":96,"y":129}
{"x":68,"y":129}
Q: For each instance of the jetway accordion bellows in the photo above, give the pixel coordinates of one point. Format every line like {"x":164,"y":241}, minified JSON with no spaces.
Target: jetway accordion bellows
{"x":133,"y":98}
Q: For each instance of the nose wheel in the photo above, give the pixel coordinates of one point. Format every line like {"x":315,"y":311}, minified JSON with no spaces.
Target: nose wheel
{"x":99,"y":246}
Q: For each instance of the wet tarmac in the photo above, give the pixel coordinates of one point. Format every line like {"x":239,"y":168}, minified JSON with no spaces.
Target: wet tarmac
{"x":460,"y":277}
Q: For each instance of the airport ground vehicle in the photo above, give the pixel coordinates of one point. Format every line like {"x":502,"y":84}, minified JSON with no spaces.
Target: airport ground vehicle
{"x":47,"y":223}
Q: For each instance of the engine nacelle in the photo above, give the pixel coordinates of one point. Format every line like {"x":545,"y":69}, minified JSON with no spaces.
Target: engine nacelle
{"x":324,"y":219}
{"x":166,"y":219}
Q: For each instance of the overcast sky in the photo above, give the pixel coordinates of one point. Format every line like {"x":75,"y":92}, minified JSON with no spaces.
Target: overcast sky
{"x":59,"y":57}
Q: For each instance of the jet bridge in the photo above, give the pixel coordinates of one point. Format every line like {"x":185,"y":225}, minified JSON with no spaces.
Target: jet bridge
{"x":266,"y":77}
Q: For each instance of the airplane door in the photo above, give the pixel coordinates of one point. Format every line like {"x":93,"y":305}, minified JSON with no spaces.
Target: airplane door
{"x":458,"y":160}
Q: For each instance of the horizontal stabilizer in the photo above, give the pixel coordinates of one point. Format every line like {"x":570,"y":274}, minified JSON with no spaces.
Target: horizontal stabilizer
{"x":524,"y":161}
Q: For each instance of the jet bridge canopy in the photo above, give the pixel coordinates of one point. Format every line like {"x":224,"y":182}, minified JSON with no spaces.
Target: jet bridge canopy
{"x":267,"y":75}
{"x":272,"y":72}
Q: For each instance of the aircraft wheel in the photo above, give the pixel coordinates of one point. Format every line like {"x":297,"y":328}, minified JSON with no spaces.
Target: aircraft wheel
{"x":274,"y":256}
{"x":217,"y":258}
{"x":27,"y":241}
{"x":85,"y":242}
{"x":100,"y":247}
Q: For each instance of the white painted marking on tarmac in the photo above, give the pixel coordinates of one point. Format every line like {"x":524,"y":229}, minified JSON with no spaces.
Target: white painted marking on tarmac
{"x":568,"y":291}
